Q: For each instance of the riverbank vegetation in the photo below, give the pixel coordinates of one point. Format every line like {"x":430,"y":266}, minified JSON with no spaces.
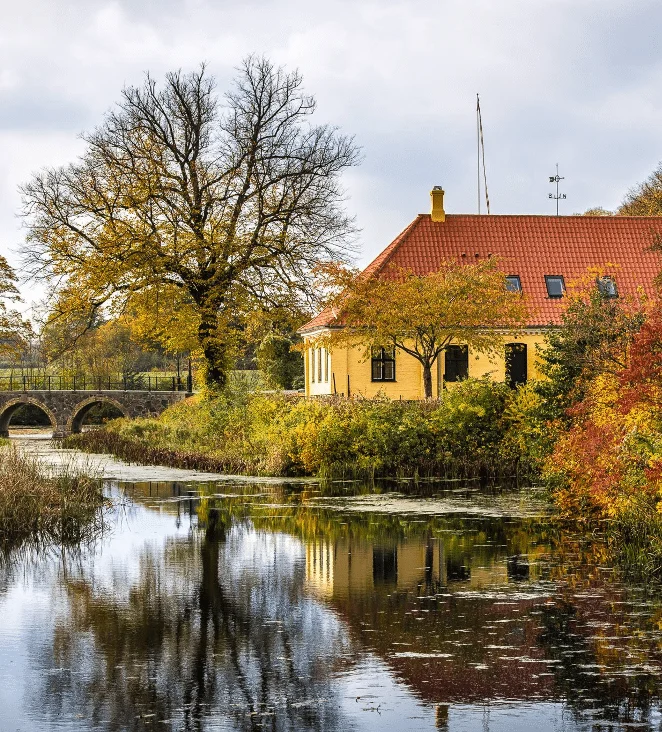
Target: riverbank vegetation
{"x":476,"y":430}
{"x":44,"y":509}
{"x":601,"y":401}
{"x":607,"y":465}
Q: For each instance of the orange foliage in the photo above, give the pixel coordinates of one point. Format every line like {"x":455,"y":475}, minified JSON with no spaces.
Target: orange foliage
{"x":613,"y":451}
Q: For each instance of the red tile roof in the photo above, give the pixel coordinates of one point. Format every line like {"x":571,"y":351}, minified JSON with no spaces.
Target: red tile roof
{"x":528,"y":246}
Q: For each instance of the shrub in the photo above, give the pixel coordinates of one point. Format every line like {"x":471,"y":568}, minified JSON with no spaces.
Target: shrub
{"x":281,"y":366}
{"x":467,"y":433}
{"x":612,"y":452}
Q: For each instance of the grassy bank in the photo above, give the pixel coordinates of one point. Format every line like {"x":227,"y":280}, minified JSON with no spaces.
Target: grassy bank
{"x":43,"y":509}
{"x":476,"y":430}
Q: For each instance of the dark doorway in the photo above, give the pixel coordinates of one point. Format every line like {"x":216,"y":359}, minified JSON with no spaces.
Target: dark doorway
{"x":456,"y":366}
{"x":516,"y":368}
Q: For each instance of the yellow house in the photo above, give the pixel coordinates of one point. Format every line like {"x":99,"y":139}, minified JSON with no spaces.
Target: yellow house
{"x":540,"y":255}
{"x":348,"y":566}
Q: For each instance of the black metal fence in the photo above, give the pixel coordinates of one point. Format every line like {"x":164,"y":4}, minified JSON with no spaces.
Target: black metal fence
{"x":96,"y":383}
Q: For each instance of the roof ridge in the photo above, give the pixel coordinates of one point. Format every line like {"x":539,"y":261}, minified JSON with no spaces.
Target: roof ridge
{"x":553,"y":217}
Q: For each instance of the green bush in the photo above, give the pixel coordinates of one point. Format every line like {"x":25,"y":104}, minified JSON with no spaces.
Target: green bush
{"x":470,"y":432}
{"x":281,"y":367}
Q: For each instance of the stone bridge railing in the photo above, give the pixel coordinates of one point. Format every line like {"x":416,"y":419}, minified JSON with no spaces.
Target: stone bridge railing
{"x":66,"y":408}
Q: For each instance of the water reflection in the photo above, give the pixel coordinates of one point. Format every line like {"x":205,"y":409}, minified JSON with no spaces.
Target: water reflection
{"x":281,"y":608}
{"x":208,"y":627}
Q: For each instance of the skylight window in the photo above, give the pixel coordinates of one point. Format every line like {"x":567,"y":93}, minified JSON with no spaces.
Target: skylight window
{"x":513,"y":283}
{"x":555,"y":285}
{"x":607,"y":286}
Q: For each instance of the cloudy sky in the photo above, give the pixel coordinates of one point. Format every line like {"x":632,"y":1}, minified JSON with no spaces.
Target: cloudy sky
{"x":578,"y":82}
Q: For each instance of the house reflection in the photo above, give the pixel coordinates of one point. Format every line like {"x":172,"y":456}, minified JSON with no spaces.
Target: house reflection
{"x":350,"y":566}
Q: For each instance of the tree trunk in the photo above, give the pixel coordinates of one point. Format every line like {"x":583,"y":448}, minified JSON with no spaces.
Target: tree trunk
{"x":427,"y":380}
{"x":214,"y":349}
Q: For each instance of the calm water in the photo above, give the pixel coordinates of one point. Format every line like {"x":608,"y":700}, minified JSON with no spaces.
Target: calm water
{"x":242,"y":605}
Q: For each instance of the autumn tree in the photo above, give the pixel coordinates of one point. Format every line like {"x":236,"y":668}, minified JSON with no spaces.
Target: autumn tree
{"x":641,"y":381}
{"x":107,"y":349}
{"x":422,"y":315}
{"x":597,"y":211}
{"x":594,"y":339}
{"x":644,"y":199}
{"x":15,"y":332}
{"x":215,"y":208}
{"x":607,"y":461}
{"x":166,"y":317}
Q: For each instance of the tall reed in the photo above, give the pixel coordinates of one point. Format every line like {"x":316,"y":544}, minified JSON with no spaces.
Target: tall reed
{"x":44,"y":508}
{"x":635,"y":536}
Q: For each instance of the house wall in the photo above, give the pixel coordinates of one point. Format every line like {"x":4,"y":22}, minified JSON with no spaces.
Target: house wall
{"x":346,"y":566}
{"x":480,"y":365}
{"x":351,"y":368}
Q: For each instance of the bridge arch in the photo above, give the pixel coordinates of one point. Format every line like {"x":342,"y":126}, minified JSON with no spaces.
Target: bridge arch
{"x":78,"y":413}
{"x":7,"y":412}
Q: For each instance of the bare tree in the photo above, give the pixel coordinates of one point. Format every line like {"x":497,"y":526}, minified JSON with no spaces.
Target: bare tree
{"x":216,"y":208}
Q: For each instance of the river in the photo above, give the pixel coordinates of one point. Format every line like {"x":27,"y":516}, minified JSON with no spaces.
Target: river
{"x":234,"y":604}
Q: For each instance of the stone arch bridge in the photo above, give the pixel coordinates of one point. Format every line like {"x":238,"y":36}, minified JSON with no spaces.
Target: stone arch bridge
{"x":67,"y":408}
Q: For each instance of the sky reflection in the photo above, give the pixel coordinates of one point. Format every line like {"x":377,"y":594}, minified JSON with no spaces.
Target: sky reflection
{"x":277,"y":607}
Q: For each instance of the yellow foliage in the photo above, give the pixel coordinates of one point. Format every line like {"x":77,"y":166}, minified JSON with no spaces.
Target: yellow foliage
{"x":422,"y":315}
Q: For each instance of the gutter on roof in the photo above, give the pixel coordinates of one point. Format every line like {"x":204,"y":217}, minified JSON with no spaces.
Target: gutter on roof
{"x":313,"y":329}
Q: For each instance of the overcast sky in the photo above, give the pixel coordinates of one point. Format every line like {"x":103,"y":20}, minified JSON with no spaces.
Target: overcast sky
{"x":578,"y":82}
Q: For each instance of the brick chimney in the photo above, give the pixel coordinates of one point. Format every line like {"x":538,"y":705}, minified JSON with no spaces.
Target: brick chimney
{"x":437,"y":196}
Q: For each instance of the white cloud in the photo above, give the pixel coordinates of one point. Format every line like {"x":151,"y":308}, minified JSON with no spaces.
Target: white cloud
{"x":571,"y":81}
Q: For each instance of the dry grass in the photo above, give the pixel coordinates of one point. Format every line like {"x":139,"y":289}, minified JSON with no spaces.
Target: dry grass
{"x":135,"y":451}
{"x":41,"y":508}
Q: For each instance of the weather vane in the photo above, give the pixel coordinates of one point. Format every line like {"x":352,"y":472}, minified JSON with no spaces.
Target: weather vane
{"x":559,"y":196}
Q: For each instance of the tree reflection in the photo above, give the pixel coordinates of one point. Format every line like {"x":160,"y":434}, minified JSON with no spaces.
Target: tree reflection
{"x":220,"y":626}
{"x":201,"y":633}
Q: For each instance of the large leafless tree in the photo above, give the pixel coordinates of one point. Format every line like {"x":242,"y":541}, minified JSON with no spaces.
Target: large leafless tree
{"x":223,"y":205}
